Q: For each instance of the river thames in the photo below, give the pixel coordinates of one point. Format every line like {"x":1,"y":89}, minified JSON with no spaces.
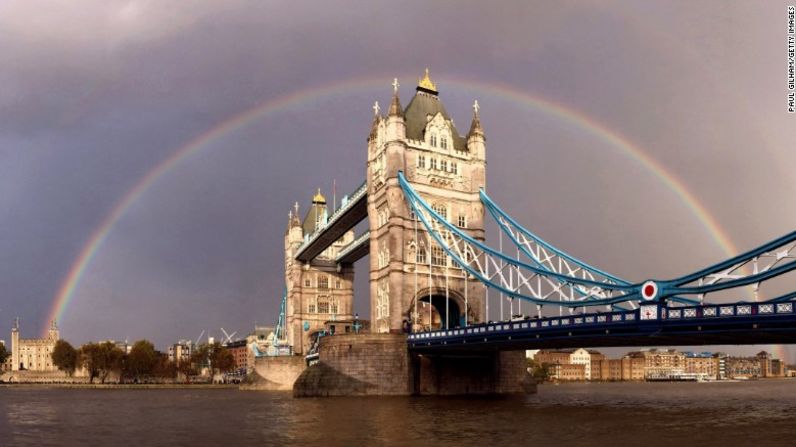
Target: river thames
{"x":593,"y":414}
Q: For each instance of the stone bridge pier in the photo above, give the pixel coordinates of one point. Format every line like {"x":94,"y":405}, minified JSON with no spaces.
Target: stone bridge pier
{"x":381,"y":364}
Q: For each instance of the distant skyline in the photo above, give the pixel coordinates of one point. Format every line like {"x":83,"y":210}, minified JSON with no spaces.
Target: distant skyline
{"x":150,"y":153}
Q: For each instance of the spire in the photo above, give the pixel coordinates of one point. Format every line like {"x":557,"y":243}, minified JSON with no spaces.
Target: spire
{"x":425,"y":84}
{"x":374,"y":126}
{"x":319,"y":198}
{"x":395,"y":104}
{"x":293,"y":219}
{"x":475,"y":127}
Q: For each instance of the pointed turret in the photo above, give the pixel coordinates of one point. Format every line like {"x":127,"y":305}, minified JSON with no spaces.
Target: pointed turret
{"x":374,"y":126}
{"x":475,"y":137}
{"x":396,"y":125}
{"x":395,"y":103}
{"x":475,"y":126}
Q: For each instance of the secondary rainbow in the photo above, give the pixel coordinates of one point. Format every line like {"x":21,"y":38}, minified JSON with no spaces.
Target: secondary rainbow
{"x":297,"y":99}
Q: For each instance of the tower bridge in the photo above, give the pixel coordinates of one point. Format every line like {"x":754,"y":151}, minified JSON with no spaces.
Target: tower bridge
{"x":433,"y":277}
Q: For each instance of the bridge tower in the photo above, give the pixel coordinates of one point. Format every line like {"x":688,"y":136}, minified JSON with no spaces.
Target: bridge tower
{"x":411,"y":278}
{"x":319,"y":292}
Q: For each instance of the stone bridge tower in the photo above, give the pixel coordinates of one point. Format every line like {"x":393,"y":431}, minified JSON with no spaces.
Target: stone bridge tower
{"x":321,"y":292}
{"x":447,"y":170}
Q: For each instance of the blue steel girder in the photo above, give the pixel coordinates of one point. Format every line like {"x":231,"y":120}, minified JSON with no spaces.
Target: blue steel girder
{"x":731,"y":323}
{"x":542,"y":283}
{"x":533,"y":284}
{"x":353,"y":211}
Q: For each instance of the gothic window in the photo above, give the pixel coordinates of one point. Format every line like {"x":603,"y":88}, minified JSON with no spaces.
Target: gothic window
{"x":433,"y":140}
{"x":444,"y":142}
{"x":333,"y":307}
{"x":462,"y":221}
{"x":443,"y":165}
{"x":440,"y":209}
{"x":383,"y":216}
{"x":311,"y":308}
{"x":421,"y":161}
{"x":454,"y":168}
{"x":421,"y":255}
{"x":437,"y":255}
{"x":383,"y":305}
{"x":433,"y":163}
{"x":323,"y":282}
{"x":323,"y":307}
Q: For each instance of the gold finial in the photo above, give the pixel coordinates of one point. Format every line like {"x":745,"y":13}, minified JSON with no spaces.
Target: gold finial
{"x":476,"y":107}
{"x":395,"y":84}
{"x":319,"y":198}
{"x":376,"y":108}
{"x":427,"y":83}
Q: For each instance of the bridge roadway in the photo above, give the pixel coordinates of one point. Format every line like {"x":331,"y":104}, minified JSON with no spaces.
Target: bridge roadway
{"x":353,"y":211}
{"x":650,"y":325}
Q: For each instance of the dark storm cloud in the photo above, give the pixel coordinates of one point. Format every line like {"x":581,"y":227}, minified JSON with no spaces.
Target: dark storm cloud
{"x":95,"y":96}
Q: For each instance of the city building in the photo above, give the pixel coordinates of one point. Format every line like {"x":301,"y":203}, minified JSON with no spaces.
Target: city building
{"x":566,"y":372}
{"x":701,"y":366}
{"x":558,"y":362}
{"x":180,"y":351}
{"x":661,"y":364}
{"x":33,"y":354}
{"x":743,"y":367}
{"x":239,"y":350}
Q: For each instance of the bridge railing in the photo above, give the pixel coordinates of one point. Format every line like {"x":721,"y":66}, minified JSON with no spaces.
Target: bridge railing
{"x":719,"y":311}
{"x":347,"y":204}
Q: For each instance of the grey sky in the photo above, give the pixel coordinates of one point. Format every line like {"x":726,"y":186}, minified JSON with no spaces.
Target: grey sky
{"x":94,"y":96}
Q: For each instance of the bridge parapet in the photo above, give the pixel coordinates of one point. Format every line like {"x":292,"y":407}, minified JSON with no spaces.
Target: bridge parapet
{"x":653,"y":324}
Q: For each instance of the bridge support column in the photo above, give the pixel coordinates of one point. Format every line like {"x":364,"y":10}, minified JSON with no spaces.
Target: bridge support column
{"x":482,"y":373}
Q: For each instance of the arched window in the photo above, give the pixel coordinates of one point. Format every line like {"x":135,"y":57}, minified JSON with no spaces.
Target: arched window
{"x":433,"y":140}
{"x":443,"y":142}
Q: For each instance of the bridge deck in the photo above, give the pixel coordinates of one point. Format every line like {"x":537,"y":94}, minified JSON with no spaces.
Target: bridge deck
{"x":344,"y":219}
{"x":734,"y":324}
{"x":355,"y":251}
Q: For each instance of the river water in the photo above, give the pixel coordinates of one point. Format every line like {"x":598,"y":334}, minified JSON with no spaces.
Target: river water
{"x":597,"y":414}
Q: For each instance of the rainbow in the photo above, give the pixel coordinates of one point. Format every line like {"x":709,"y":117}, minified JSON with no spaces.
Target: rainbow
{"x":297,"y":99}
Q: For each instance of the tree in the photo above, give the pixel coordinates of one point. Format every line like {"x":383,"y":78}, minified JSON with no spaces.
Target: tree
{"x":213,"y":356}
{"x":222,"y":359}
{"x":186,"y":369}
{"x":65,"y":357}
{"x":100,"y":359}
{"x":141,"y":360}
{"x":164,"y":368}
{"x":4,"y":354}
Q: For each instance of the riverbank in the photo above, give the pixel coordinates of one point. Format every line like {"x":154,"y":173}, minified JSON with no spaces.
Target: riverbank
{"x":121,"y":386}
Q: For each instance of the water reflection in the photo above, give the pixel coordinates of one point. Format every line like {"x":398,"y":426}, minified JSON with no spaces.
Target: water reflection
{"x":580,"y":414}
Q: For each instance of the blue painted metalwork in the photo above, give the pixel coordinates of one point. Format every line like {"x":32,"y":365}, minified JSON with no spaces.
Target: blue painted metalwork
{"x":738,"y":323}
{"x":417,"y":200}
{"x":721,"y":276}
{"x":280,"y":332}
{"x":503,"y":220}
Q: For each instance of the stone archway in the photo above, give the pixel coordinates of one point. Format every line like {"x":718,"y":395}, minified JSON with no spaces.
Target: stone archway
{"x":436,"y":310}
